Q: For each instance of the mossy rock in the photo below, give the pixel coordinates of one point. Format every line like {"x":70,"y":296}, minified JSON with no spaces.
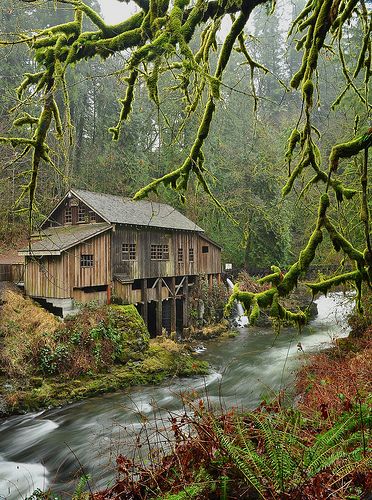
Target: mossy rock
{"x":134,"y":336}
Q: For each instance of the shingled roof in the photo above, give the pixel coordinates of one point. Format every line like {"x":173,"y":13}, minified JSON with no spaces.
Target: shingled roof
{"x":55,"y":240}
{"x":119,"y":210}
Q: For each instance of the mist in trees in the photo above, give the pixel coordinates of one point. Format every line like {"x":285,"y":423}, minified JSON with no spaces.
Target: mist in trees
{"x":236,"y":191}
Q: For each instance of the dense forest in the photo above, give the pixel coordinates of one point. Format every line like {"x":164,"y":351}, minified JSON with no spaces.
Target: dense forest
{"x":251,"y":117}
{"x":246,"y":166}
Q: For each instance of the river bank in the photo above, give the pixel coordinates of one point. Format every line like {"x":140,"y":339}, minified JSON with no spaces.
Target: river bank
{"x":320,"y":448}
{"x":245,"y":370}
{"x":46,"y":363}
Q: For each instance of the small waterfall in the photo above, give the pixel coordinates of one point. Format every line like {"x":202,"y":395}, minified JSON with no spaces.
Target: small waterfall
{"x":241,"y":319}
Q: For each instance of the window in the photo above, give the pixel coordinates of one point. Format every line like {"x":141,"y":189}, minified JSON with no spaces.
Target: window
{"x":205,"y":249}
{"x":180,"y":255}
{"x":92,"y":216}
{"x":86,"y":260}
{"x":128,"y":251}
{"x":191,"y":254}
{"x":81,"y":214}
{"x":68,"y":215}
{"x":159,"y":252}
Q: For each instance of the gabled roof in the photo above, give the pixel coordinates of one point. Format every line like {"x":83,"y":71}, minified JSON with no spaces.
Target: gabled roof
{"x":119,"y":210}
{"x":55,"y":240}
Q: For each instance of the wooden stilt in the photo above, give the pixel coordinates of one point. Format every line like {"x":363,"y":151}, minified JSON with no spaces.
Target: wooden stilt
{"x":186,"y":302}
{"x":173,"y":304}
{"x":159,"y":308}
{"x":144,"y":300}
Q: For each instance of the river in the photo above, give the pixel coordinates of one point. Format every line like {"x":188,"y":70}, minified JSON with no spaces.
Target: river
{"x":54,"y":447}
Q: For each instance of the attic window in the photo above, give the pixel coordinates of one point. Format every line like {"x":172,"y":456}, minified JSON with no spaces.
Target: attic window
{"x":92,"y":216}
{"x":205,"y":249}
{"x":68,"y":215}
{"x":128,"y":251}
{"x":86,"y":260}
{"x":81,"y":214}
{"x":159,"y":252}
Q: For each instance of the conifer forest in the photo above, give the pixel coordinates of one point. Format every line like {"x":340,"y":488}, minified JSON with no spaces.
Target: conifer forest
{"x":252,"y":118}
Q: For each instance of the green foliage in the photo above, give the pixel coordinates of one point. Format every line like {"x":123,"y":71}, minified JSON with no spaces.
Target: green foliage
{"x":272,"y":452}
{"x":207,"y":301}
{"x":171,"y":53}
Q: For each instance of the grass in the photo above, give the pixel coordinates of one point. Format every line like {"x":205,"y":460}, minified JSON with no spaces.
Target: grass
{"x":46,"y":363}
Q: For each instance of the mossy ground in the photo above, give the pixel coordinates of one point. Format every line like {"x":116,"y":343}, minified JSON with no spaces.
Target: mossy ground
{"x":46,"y":363}
{"x":163,"y":358}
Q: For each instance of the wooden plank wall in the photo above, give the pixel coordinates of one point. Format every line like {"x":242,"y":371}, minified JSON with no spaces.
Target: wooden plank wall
{"x":57,"y":218}
{"x":57,"y":275}
{"x":144,"y":267}
{"x":99,"y":274}
{"x":12,"y":272}
{"x":48,"y":276}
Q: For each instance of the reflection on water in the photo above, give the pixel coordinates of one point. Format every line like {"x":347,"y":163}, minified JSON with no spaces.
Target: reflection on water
{"x":50,"y":447}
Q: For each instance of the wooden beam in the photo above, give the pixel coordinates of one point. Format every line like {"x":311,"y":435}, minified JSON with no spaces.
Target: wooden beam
{"x":185,"y":322}
{"x":144,"y":300}
{"x":173,"y":304}
{"x":159,"y":308}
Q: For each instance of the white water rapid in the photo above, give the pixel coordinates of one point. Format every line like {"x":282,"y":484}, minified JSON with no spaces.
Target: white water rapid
{"x":48,"y":448}
{"x":240,"y":319}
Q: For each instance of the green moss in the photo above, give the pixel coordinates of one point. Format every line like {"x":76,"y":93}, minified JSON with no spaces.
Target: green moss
{"x":255,"y":313}
{"x":341,"y":243}
{"x":349,"y":149}
{"x":131,"y":330}
{"x":308,"y":91}
{"x":159,"y":364}
{"x":325,"y":285}
{"x":293,"y":140}
{"x":126,"y":104}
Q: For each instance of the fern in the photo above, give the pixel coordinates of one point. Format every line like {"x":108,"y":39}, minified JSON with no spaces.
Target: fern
{"x":235,"y":455}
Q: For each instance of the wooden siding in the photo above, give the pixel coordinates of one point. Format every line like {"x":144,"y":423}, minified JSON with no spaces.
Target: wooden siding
{"x":84,"y":296}
{"x":144,"y":267}
{"x":48,"y":276}
{"x":99,"y":274}
{"x":12,"y":272}
{"x":57,"y":218}
{"x":57,"y":276}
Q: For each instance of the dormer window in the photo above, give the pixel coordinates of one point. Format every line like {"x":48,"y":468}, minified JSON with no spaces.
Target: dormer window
{"x":92,"y":216}
{"x":81,"y":213}
{"x":68,"y":215}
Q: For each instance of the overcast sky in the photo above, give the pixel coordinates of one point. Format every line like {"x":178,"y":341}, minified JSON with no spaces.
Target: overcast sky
{"x":114,"y":11}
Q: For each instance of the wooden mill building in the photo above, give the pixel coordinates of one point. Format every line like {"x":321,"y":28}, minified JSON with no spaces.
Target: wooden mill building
{"x":102,"y":247}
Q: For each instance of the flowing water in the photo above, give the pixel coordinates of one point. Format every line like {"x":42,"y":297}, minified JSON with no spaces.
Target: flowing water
{"x":53,"y":447}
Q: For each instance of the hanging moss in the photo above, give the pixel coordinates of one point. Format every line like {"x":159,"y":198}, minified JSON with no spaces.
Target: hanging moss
{"x":341,"y":243}
{"x":126,"y":104}
{"x":349,"y":149}
{"x":324,"y":286}
{"x":255,"y":313}
{"x":29,"y":79}
{"x":293,"y":140}
{"x":25,"y":119}
{"x":304,"y":162}
{"x":308,"y":91}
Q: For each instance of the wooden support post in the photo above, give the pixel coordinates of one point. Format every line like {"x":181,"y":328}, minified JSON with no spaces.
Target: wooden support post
{"x":173,"y":305}
{"x":159,"y":308}
{"x":186,"y":302}
{"x":144,"y":300}
{"x":210,"y":281}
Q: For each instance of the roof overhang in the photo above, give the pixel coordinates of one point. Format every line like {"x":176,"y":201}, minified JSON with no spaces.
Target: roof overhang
{"x":30,"y":252}
{"x":69,"y":193}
